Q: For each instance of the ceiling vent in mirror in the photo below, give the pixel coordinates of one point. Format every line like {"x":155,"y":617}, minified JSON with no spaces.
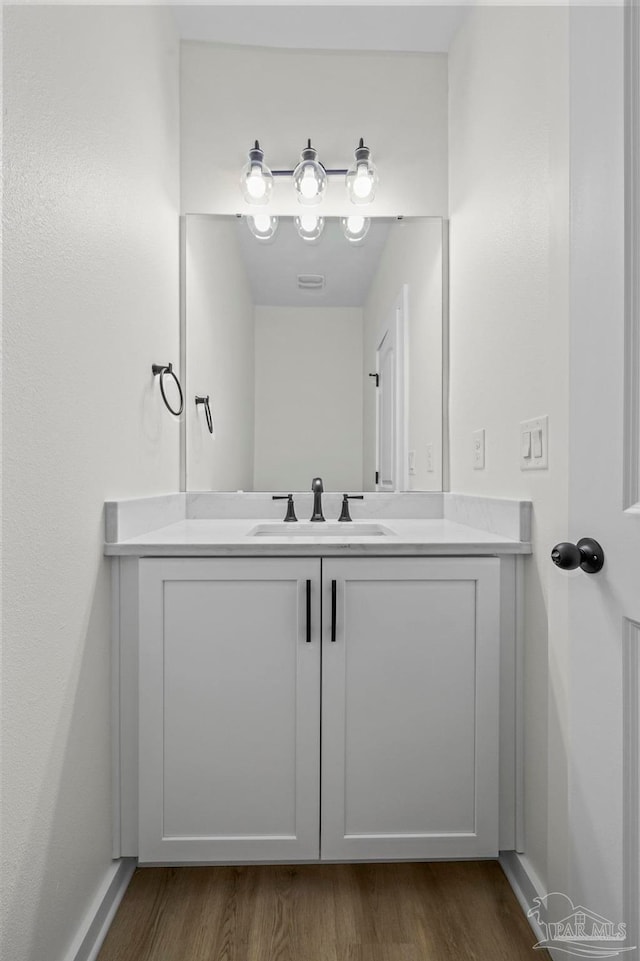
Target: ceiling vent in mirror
{"x":310,"y":281}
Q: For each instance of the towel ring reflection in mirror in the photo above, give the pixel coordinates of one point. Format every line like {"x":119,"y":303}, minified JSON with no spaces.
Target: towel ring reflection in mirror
{"x":163,"y":369}
{"x":207,"y":411}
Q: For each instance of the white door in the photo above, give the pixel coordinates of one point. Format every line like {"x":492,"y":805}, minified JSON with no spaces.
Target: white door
{"x":604,"y":503}
{"x":391,"y":428}
{"x":229,"y":709}
{"x":410,"y":690}
{"x":386,"y":411}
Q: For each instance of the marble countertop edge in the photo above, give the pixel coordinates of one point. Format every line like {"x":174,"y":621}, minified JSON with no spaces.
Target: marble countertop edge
{"x":403,"y":549}
{"x":228,"y":538}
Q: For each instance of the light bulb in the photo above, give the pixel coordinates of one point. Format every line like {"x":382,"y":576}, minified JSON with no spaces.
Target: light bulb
{"x":309,"y":177}
{"x":355,"y":228}
{"x":309,"y":184}
{"x":256,"y":180}
{"x":262,"y":226}
{"x":362,"y":185}
{"x":256,"y":185}
{"x":262,"y":223}
{"x":362,"y":177}
{"x":309,"y":226}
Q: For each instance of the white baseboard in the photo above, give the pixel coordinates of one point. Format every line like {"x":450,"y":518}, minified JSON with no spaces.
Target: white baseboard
{"x":526,"y":886}
{"x":97,"y":920}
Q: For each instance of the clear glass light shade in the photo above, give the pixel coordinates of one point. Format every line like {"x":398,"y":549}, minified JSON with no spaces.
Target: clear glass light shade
{"x":256,"y":180}
{"x":262,"y":226}
{"x":362,"y":177}
{"x":309,"y":226}
{"x":355,"y":228}
{"x":309,"y":178}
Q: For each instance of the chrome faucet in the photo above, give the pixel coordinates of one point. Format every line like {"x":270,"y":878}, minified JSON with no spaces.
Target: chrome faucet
{"x":318,"y":489}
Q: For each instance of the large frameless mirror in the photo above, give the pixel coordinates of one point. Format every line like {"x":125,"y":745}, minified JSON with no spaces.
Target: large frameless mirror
{"x":319,"y":355}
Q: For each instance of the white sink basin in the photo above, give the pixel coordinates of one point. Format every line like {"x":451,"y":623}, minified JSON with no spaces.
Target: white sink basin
{"x":318,"y":529}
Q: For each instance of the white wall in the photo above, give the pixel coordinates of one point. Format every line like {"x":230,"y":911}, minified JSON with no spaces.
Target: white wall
{"x":308,"y":398}
{"x":91,"y":301}
{"x":509,"y":208}
{"x":231,"y":96}
{"x":219,"y":356}
{"x":412,"y":256}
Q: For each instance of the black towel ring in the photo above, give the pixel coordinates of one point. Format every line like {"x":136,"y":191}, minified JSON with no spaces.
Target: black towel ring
{"x":163,"y":369}
{"x":207,"y":411}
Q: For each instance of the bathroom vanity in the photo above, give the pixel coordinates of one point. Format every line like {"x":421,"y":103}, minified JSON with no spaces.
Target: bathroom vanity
{"x":295,"y":696}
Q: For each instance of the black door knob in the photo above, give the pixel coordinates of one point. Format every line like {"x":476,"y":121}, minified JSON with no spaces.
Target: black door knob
{"x":586,"y":554}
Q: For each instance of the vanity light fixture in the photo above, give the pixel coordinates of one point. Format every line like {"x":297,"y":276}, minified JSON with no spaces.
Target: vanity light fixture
{"x":309,"y":177}
{"x":256,"y":181}
{"x":309,"y":226}
{"x":355,"y":228}
{"x":362,"y":177}
{"x":262,"y":226}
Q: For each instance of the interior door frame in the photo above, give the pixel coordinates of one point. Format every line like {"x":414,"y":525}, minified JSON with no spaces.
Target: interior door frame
{"x":632,"y":254}
{"x":631,"y":492}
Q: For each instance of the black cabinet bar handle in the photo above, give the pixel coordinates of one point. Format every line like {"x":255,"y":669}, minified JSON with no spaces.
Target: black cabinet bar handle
{"x":308,"y":612}
{"x":334,"y":587}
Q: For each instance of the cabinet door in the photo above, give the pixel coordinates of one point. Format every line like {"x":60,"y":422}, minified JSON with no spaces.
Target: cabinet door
{"x":410,"y":708}
{"x":229,"y":710}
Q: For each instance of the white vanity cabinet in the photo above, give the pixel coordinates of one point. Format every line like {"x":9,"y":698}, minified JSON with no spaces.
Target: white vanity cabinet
{"x":410,"y":708}
{"x":229,"y":710}
{"x":268,"y":685}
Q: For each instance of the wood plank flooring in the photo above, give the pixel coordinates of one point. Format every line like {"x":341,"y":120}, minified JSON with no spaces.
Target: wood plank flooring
{"x":437,"y":911}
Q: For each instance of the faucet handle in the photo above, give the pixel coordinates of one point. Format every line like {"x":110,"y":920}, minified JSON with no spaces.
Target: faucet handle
{"x":344,"y":514}
{"x":291,"y":514}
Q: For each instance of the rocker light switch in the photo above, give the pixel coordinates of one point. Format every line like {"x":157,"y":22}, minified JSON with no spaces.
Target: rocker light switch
{"x":537,"y":442}
{"x":534,"y":444}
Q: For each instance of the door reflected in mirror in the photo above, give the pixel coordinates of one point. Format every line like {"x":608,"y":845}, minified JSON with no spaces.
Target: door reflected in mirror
{"x":321,"y":358}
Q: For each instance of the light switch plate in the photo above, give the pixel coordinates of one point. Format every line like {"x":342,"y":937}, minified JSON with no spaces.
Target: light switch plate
{"x":478,"y":449}
{"x":534,"y":444}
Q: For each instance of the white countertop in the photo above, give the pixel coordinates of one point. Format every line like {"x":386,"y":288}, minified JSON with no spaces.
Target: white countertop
{"x":231,"y":537}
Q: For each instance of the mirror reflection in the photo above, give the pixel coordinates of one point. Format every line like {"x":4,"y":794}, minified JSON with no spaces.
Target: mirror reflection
{"x":321,"y":357}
